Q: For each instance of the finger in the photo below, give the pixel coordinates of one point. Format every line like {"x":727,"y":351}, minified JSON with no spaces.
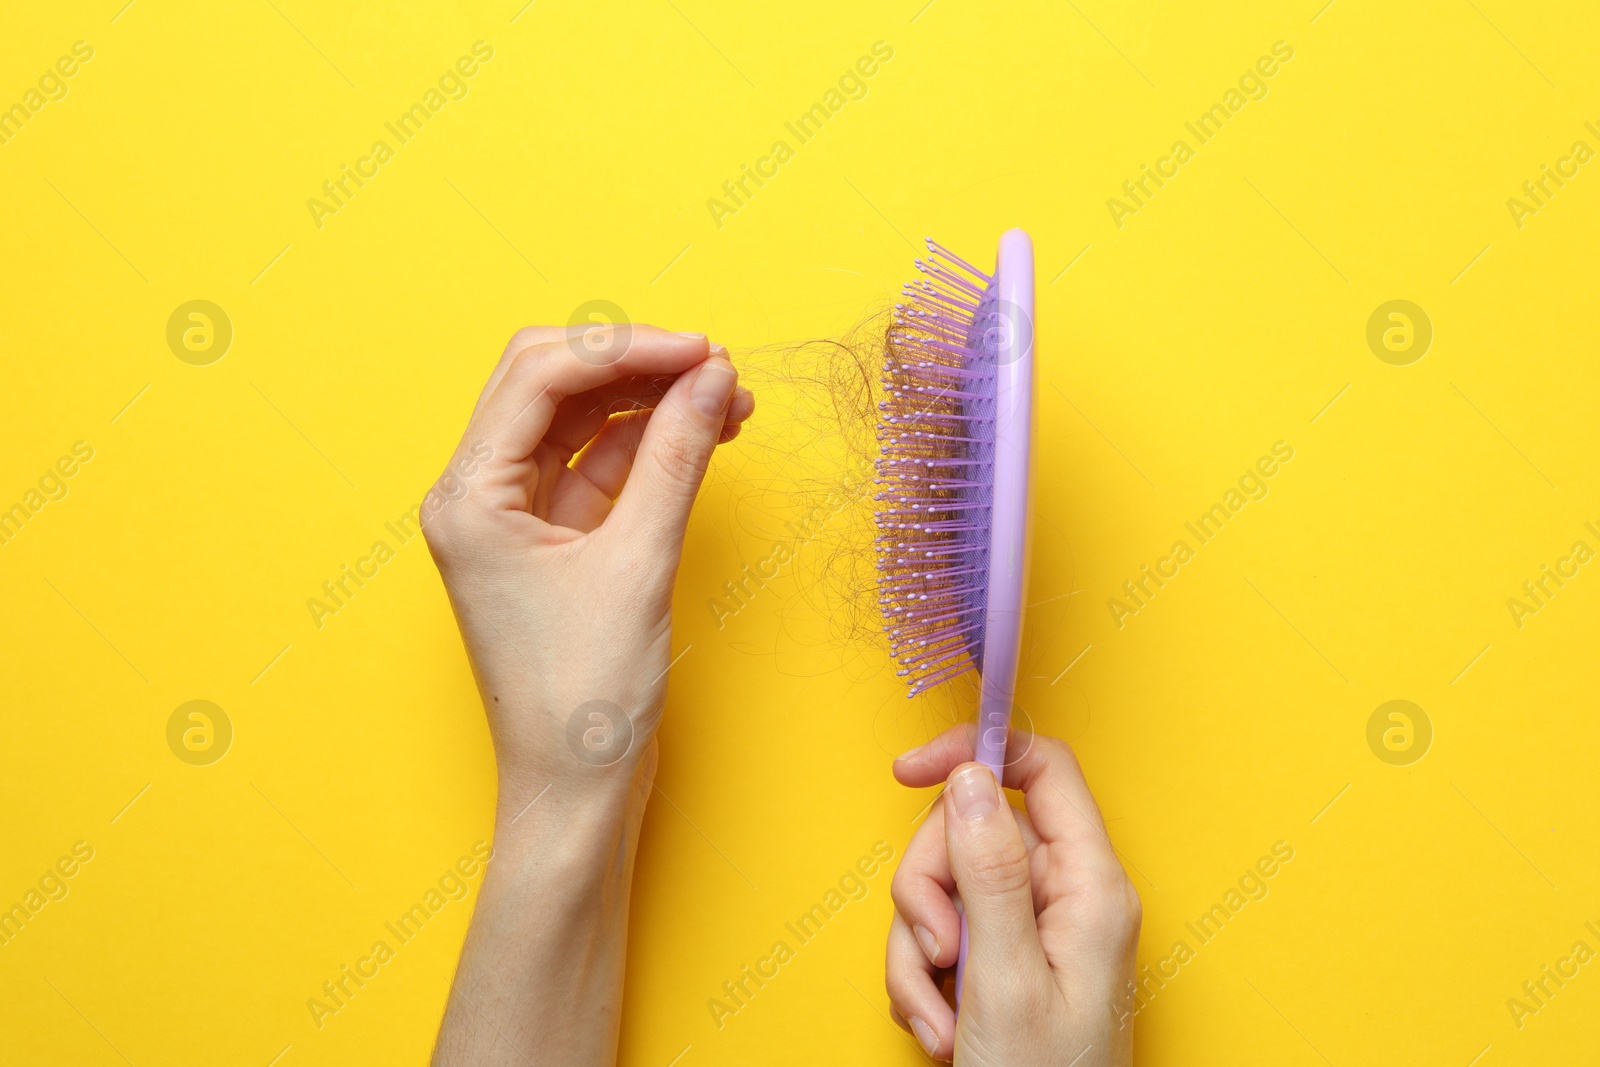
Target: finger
{"x":576,"y":504}
{"x":931,"y":763}
{"x":674,"y":454}
{"x":909,"y":979}
{"x":607,"y":457}
{"x":529,"y":336}
{"x":523,"y":404}
{"x":1058,"y":796}
{"x":923,"y":885}
{"x":995,"y":878}
{"x":606,"y":460}
{"x":1059,"y":800}
{"x":526,"y":337}
{"x":579,"y":418}
{"x":921,"y":891}
{"x":740,"y":408}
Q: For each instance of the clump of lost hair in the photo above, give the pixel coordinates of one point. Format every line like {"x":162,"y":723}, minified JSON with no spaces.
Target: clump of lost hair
{"x":807,"y":465}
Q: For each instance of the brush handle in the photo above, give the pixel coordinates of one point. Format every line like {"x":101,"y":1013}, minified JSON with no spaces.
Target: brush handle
{"x":1008,"y":541}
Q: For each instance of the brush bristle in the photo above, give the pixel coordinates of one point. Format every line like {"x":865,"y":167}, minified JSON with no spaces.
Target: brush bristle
{"x":935,"y":470}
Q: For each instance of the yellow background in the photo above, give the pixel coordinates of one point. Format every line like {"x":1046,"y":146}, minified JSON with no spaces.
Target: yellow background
{"x":1228,"y":714}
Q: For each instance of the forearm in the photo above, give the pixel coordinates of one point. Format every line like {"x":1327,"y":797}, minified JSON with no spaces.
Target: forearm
{"x":540,"y":978}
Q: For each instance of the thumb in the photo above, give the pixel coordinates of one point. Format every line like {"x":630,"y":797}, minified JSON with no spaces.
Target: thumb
{"x":674,"y":452}
{"x":992,"y":871}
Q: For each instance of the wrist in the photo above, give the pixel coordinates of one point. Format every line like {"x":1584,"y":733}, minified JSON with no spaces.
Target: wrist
{"x":591,"y":748}
{"x":541,"y":811}
{"x":569,"y":819}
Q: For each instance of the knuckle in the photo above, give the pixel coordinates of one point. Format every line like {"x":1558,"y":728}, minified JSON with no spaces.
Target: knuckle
{"x":527,"y":359}
{"x":440,"y":515}
{"x":680,"y":457}
{"x":902,"y":893}
{"x":999,"y":871}
{"x":898,"y":986}
{"x":897,"y":887}
{"x":526,"y":338}
{"x":1132,"y":909}
{"x":439,"y":531}
{"x":432,"y":521}
{"x":1051,"y":746}
{"x":1059,"y":754}
{"x":1114,"y":907}
{"x":1026,"y":1001}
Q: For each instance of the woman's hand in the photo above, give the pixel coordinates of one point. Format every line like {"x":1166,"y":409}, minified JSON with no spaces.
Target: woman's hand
{"x":557,"y":528}
{"x":1053,"y":922}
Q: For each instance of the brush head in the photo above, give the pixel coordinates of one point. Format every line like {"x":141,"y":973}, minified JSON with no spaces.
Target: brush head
{"x":936,"y":468}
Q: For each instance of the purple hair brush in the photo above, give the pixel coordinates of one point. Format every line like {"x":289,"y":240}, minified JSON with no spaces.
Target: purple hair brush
{"x":955,"y":436}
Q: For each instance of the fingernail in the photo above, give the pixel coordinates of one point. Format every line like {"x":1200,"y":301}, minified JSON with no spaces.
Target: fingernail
{"x":925,"y":1034}
{"x":908,"y":753}
{"x":691,"y":336}
{"x":929,"y":943}
{"x":713,"y":386}
{"x":973,"y":793}
{"x":719,"y":350}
